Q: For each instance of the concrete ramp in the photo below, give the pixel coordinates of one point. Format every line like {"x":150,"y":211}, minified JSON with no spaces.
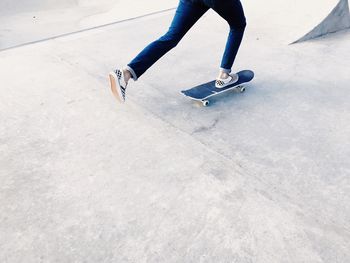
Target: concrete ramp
{"x":257,"y":177}
{"x":297,"y":20}
{"x":338,"y":19}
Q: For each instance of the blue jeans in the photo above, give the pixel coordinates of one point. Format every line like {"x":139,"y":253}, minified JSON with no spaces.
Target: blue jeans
{"x":187,"y":14}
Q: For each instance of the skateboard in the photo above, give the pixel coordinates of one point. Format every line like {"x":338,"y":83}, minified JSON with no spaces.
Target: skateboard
{"x":204,"y":91}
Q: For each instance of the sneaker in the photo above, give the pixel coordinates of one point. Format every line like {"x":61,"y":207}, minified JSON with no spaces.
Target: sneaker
{"x":118,"y":84}
{"x":222,"y":83}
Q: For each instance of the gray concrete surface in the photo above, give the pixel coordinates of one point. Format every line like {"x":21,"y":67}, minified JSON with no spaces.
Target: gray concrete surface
{"x":289,"y":21}
{"x":36,"y":20}
{"x":257,"y":177}
{"x":338,"y":19}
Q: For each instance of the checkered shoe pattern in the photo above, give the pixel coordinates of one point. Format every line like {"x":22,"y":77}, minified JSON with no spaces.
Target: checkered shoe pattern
{"x":120,"y":79}
{"x":222,"y":83}
{"x":219,"y":83}
{"x":118,"y":84}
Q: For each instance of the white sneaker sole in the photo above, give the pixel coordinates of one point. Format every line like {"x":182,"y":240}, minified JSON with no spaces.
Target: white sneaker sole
{"x":115,"y":87}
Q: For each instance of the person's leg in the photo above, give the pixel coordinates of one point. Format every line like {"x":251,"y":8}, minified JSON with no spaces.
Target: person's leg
{"x":232,"y":12}
{"x":187,"y":14}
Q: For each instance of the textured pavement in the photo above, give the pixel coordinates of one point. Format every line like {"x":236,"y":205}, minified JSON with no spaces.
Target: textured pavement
{"x":256,"y":177}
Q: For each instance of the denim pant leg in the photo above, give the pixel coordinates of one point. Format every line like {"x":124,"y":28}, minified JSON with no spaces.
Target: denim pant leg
{"x":187,"y":14}
{"x":232,"y":12}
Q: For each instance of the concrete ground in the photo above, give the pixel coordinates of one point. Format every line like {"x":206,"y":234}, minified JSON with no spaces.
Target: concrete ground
{"x":256,"y":177}
{"x":35,"y":20}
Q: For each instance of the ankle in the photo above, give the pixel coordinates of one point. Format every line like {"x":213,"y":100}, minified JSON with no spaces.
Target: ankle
{"x":223,"y":75}
{"x":127,"y":75}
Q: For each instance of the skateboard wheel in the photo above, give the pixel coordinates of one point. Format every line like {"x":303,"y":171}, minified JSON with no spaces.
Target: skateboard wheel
{"x":205,"y":103}
{"x":241,"y":89}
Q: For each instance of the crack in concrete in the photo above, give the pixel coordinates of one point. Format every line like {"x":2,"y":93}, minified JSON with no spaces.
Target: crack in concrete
{"x":206,"y":128}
